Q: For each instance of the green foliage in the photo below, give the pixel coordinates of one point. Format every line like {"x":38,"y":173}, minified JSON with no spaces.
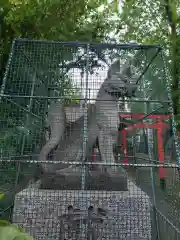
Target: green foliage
{"x":144,"y":22}
{"x":12,"y":232}
{"x":53,"y":20}
{"x":1,"y":195}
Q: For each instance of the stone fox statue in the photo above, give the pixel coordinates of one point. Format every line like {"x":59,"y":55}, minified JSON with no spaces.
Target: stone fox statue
{"x":103,"y":121}
{"x":116,"y":85}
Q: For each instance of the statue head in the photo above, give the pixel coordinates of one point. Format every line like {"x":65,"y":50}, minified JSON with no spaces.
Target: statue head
{"x":123,"y":78}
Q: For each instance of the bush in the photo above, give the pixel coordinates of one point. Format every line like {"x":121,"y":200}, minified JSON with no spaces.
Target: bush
{"x":10,"y":231}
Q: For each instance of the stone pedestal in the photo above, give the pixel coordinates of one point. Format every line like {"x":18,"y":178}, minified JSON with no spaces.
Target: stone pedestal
{"x":39,"y":212}
{"x":93,"y":180}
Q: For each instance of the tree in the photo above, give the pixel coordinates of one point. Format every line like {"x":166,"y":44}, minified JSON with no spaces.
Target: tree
{"x":155,"y":22}
{"x":53,"y":20}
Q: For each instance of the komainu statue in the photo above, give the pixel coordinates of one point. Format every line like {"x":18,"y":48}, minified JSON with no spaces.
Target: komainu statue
{"x":103,"y":123}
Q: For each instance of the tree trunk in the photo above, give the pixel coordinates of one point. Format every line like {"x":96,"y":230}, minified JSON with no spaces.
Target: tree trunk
{"x":174,"y":51}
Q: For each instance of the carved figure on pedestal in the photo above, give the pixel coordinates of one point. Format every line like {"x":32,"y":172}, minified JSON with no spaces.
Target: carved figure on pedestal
{"x":103,"y":122}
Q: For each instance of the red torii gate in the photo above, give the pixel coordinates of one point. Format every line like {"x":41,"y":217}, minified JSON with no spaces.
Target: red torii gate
{"x":158,"y":125}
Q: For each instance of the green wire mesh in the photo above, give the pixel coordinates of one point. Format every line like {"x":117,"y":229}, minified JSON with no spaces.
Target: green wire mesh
{"x":39,"y":72}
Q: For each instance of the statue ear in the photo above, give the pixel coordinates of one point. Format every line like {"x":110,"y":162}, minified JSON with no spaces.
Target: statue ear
{"x":126,"y":68}
{"x":115,"y":67}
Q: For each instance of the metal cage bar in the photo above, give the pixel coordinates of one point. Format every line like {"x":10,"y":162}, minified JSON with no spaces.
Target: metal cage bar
{"x":130,"y":204}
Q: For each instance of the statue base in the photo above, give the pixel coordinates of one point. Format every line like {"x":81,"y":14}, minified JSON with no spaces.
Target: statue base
{"x":93,"y":180}
{"x":40,"y":211}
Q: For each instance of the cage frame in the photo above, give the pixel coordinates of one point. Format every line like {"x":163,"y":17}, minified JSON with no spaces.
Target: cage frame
{"x":158,"y":126}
